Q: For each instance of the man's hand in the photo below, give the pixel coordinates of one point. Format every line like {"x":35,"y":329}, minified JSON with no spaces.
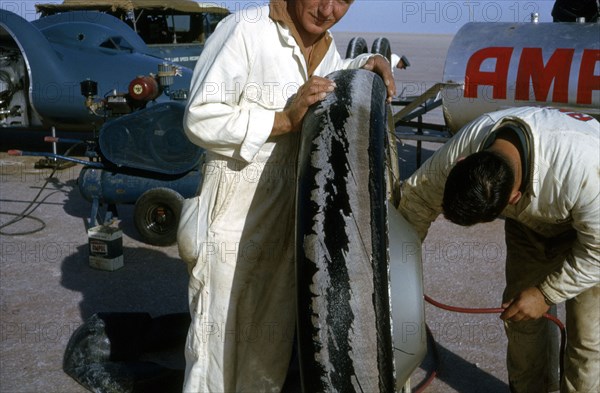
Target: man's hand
{"x":290,"y":119}
{"x":380,"y":65}
{"x":529,"y":304}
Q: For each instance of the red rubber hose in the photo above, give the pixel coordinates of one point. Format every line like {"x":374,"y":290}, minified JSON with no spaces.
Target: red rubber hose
{"x":465,"y":310}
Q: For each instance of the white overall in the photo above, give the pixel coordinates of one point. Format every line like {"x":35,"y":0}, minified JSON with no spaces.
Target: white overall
{"x":552,"y":235}
{"x":242,"y":288}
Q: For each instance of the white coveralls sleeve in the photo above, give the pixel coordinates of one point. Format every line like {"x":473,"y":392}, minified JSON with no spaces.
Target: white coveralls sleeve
{"x":219,"y":116}
{"x":567,"y":193}
{"x":421,"y":200}
{"x":581,"y":269}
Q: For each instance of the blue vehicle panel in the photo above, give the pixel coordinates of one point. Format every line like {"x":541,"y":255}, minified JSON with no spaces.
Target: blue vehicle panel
{"x":44,"y":62}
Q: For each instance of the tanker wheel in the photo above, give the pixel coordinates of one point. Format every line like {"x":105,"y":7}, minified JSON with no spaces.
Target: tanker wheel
{"x":356,"y":46}
{"x":156,"y":216}
{"x":382,"y":46}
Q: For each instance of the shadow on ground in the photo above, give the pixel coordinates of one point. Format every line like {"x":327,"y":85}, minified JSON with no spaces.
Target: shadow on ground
{"x":458,"y":373}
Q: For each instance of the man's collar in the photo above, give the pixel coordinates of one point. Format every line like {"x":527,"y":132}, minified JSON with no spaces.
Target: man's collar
{"x":278,"y":13}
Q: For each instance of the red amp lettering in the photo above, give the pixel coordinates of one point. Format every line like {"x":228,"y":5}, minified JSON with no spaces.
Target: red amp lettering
{"x":531,"y":67}
{"x":497,"y":79}
{"x":587,"y":80}
{"x":533,"y":72}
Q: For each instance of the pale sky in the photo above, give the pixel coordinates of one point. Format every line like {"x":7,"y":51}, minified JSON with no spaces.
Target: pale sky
{"x":402,"y":16}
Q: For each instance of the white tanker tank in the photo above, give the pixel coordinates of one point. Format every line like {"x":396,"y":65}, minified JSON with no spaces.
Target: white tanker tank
{"x":500,"y":65}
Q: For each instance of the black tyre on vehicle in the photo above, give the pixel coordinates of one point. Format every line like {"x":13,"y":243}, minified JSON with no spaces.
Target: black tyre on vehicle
{"x":356,"y":46}
{"x":156,"y":216}
{"x":382,"y":46}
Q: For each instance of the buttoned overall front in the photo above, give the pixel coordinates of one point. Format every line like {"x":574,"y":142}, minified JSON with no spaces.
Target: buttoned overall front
{"x":242,"y":288}
{"x":552,"y":234}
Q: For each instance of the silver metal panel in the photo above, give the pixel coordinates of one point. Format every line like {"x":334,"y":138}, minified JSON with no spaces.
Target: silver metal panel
{"x":546,"y":64}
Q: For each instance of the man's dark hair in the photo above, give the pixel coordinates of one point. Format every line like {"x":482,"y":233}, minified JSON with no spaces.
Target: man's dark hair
{"x":477,"y":189}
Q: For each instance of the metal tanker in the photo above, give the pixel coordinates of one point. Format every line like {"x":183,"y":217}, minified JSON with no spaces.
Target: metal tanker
{"x":500,"y":65}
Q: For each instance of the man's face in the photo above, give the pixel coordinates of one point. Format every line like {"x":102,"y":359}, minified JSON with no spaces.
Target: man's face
{"x":314,"y":17}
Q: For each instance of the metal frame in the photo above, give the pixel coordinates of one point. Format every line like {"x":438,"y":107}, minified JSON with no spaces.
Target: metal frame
{"x":415,"y":108}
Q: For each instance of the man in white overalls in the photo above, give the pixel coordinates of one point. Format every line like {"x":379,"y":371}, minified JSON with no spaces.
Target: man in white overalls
{"x":259,"y":72}
{"x":539,"y":168}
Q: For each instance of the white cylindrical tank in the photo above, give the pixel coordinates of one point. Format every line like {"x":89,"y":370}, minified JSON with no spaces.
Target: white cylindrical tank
{"x":502,"y":65}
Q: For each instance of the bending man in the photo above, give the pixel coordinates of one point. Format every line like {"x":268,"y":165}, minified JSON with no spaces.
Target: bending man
{"x":539,"y":169}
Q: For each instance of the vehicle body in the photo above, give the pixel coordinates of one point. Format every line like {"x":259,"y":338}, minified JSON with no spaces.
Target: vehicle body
{"x":44,"y":63}
{"x":174,"y":30}
{"x":492,"y":66}
{"x":501,"y":65}
{"x":145,"y":160}
{"x":88,"y":71}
